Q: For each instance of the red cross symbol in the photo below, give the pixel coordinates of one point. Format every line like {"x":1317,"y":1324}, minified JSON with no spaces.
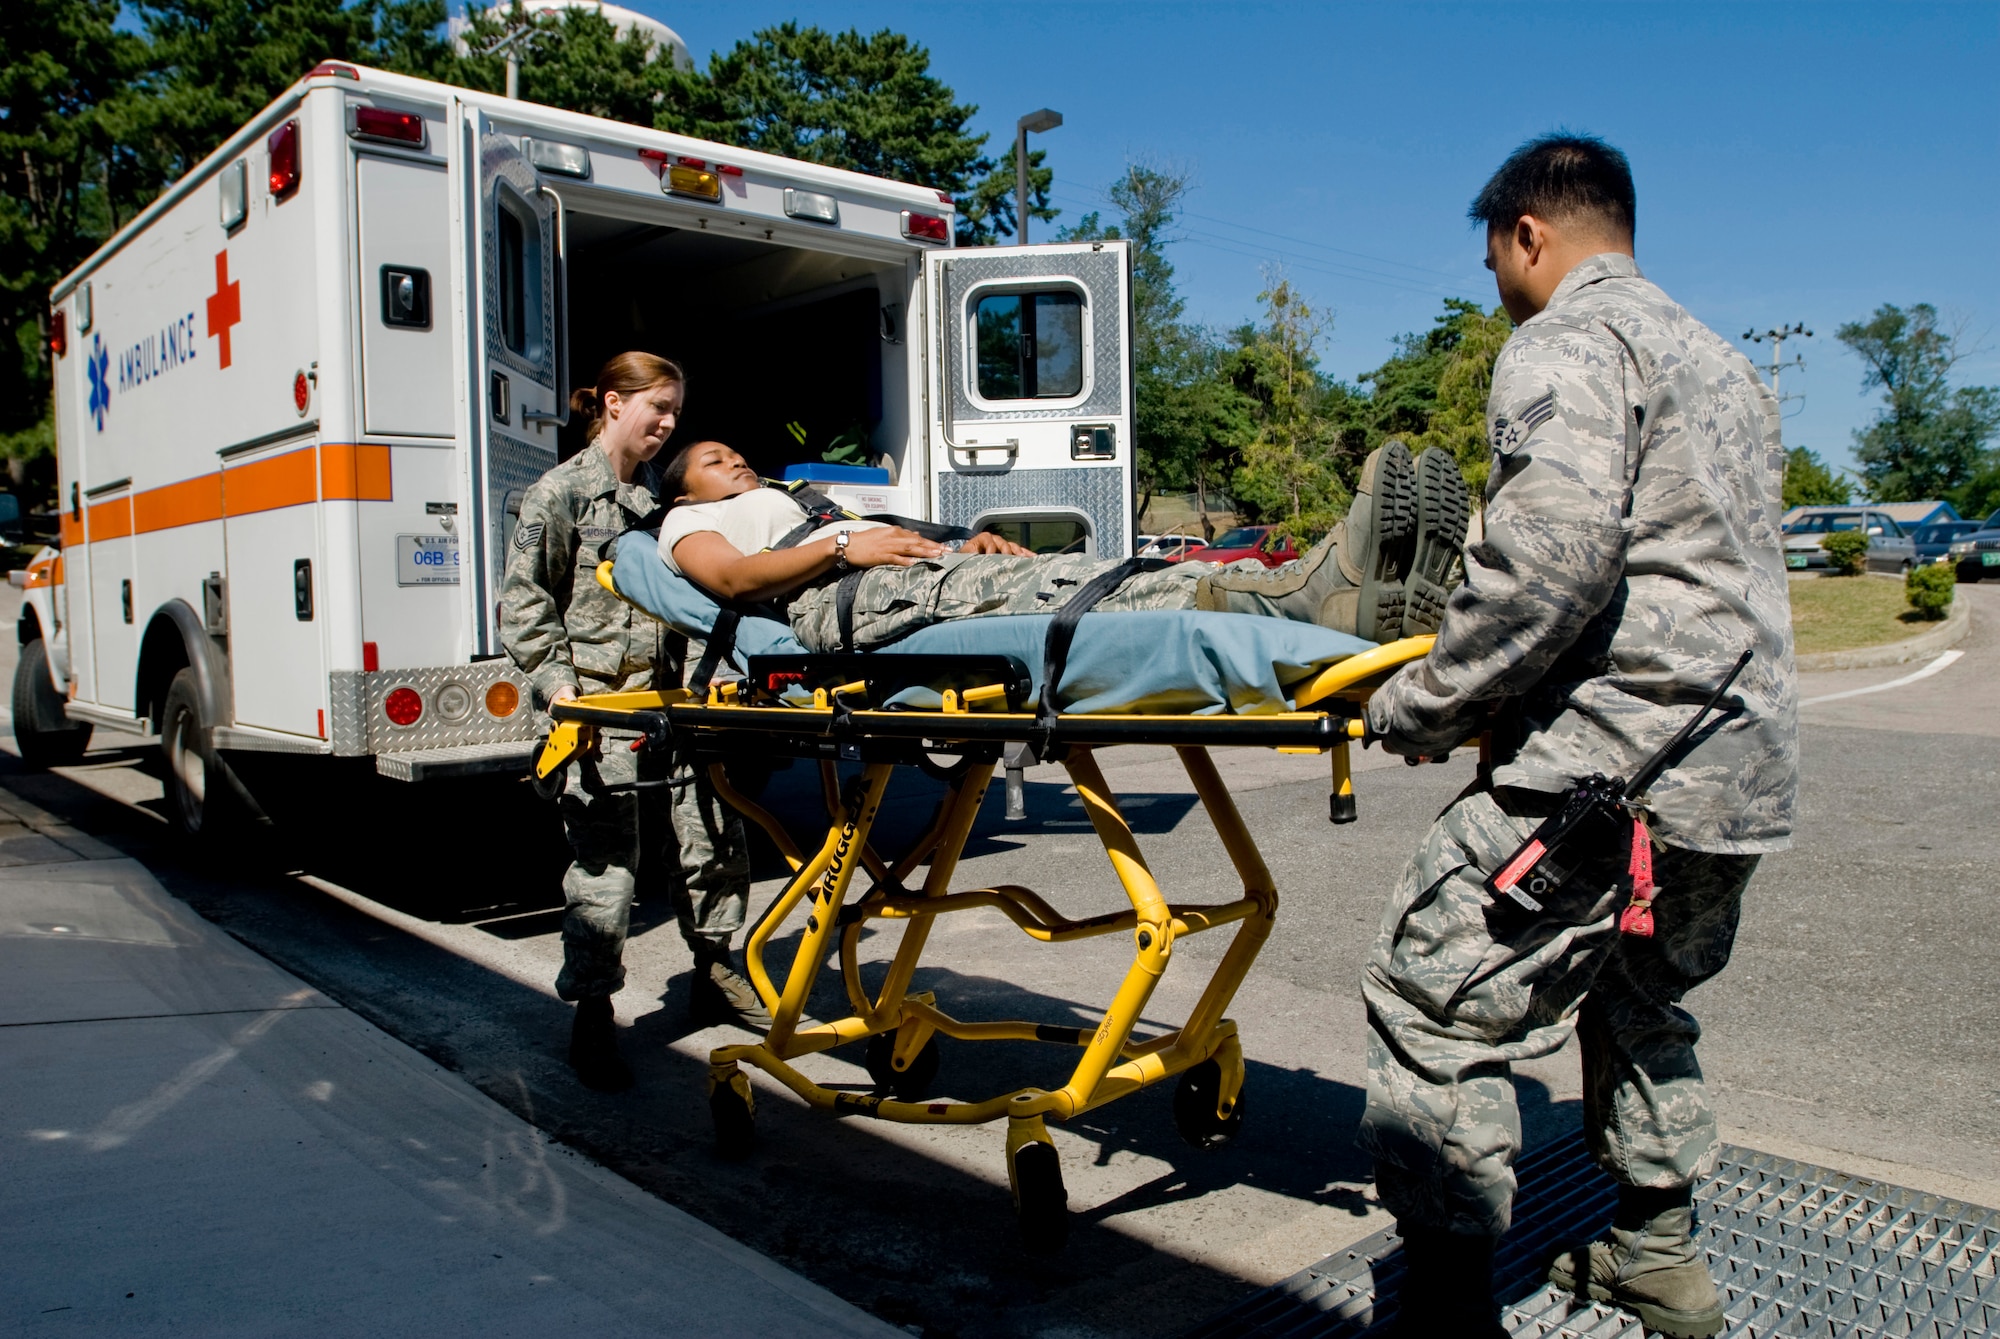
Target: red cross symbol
{"x":225,"y":305}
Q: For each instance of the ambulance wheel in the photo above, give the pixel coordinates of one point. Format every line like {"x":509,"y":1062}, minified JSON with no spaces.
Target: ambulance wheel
{"x":735,"y":1123}
{"x":910,"y":1084}
{"x":1195,"y":1116}
{"x":1040,"y":1201}
{"x":201,"y":798}
{"x":45,"y":737}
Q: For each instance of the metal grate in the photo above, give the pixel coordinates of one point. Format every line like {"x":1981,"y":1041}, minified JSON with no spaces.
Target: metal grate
{"x":1798,"y":1251}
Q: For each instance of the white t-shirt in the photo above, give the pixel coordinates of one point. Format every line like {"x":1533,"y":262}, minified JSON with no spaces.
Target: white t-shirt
{"x":751,"y":522}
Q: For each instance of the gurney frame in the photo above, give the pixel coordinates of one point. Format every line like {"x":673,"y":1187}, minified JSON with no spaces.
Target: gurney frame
{"x":979,"y":713}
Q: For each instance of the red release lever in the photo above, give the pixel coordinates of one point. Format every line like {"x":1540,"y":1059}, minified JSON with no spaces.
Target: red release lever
{"x":1637,"y":918}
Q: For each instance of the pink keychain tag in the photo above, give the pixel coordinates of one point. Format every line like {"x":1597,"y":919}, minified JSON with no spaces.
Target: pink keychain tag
{"x":1637,"y":918}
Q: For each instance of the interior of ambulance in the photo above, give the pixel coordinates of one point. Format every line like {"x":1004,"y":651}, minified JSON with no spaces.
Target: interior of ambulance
{"x":788,"y":351}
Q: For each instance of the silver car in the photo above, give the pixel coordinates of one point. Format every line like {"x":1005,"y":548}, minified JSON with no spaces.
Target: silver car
{"x":1889,"y":549}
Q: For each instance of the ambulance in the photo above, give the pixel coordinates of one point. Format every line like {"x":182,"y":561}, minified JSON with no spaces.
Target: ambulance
{"x":299,"y":398}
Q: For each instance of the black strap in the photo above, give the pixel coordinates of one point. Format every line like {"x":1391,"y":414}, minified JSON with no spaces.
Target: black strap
{"x":1062,"y":632}
{"x":843,"y":606}
{"x":721,"y":641}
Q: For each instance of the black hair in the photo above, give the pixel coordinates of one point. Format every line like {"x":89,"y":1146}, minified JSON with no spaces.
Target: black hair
{"x":674,"y":474}
{"x":1560,"y":177}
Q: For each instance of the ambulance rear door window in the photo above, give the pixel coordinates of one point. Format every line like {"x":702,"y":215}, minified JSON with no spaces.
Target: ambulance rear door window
{"x":1030,"y":345}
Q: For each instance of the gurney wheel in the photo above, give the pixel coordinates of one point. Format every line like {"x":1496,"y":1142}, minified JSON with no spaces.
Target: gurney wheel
{"x":1194,"y":1108}
{"x":735,"y":1125}
{"x":1040,"y":1200}
{"x":910,"y":1084}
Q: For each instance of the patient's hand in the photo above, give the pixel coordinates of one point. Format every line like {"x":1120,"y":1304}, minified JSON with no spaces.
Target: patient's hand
{"x":988,"y":542}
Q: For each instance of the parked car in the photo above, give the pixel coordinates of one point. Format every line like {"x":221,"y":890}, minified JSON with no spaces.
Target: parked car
{"x":1173,"y":548}
{"x":1250,"y":541}
{"x":1977,"y":555}
{"x":1889,"y":549}
{"x":1934,"y":541}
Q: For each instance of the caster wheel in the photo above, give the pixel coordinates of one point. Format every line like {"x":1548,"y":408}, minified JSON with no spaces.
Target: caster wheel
{"x":735,"y":1122}
{"x":1040,"y":1201}
{"x":1194,"y":1108}
{"x":910,"y":1084}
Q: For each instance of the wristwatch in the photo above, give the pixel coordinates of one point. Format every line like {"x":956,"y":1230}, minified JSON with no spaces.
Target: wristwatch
{"x":840,"y":550}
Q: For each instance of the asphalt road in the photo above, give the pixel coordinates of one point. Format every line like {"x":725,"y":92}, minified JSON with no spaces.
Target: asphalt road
{"x":1859,"y":1024}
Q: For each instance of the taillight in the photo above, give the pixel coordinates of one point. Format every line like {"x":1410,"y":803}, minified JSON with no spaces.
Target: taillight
{"x":925,"y":227}
{"x":379,"y":123}
{"x":502,"y":699}
{"x":283,"y":149}
{"x":59,"y":333}
{"x":403,"y":706}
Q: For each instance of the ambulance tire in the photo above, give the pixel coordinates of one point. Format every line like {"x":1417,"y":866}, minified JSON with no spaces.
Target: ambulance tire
{"x":45,"y":737}
{"x":201,"y":798}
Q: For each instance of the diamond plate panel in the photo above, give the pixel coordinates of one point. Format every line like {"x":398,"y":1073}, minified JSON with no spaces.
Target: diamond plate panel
{"x":1797,"y":1250}
{"x":463,"y":760}
{"x":511,"y":464}
{"x":432,"y":729}
{"x":1098,"y":272}
{"x":1097,"y":493}
{"x":349,"y":715}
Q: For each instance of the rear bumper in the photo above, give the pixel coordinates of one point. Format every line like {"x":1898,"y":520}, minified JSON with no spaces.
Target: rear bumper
{"x":463,"y":760}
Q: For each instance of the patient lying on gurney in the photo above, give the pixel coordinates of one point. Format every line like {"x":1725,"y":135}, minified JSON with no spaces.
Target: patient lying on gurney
{"x":1383,"y":573}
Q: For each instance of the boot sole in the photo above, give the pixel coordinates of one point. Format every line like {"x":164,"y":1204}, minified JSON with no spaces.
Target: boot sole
{"x":1663,"y":1320}
{"x":1383,"y":593}
{"x":1442,"y":511}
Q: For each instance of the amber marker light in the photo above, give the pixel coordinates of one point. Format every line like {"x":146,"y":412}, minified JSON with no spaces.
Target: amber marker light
{"x":502,"y":700}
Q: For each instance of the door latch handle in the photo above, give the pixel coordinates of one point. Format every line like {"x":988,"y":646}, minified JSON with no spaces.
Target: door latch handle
{"x":966,"y":457}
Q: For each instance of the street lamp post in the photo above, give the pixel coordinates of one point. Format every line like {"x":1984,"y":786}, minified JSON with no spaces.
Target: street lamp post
{"x":1037,"y":122}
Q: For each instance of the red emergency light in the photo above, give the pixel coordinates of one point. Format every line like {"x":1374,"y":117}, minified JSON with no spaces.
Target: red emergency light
{"x":59,"y":333}
{"x":379,"y":123}
{"x":283,"y":150}
{"x":335,"y":68}
{"x":925,"y":227}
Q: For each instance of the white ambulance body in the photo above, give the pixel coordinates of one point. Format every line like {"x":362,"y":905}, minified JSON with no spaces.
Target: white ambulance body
{"x":298,"y":400}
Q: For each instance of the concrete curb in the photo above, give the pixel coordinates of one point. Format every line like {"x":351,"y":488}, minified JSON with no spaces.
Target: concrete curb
{"x":1944,"y":636}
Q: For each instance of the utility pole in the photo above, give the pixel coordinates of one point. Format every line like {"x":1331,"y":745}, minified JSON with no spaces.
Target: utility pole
{"x":1778,"y":335}
{"x":1036,"y":122}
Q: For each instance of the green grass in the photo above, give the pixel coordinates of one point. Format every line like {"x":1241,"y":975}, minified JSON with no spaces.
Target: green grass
{"x":1842,"y":613}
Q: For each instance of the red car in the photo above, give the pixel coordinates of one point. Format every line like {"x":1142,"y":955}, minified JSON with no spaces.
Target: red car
{"x":1249,"y":541}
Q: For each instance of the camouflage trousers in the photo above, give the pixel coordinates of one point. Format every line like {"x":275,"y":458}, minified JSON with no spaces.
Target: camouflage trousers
{"x":1460,"y":985}
{"x":680,"y":834}
{"x":893,"y":602}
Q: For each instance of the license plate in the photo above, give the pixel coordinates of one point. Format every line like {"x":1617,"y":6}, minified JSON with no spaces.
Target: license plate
{"x":426,"y":560}
{"x":1795,"y":560}
{"x":1989,"y":559}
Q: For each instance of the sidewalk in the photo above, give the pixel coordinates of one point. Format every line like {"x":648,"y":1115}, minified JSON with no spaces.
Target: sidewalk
{"x":198,"y":1142}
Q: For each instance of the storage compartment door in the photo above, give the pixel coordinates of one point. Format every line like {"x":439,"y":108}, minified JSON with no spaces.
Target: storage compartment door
{"x":403,"y":215}
{"x":519,"y":389}
{"x":275,"y":554}
{"x":115,"y":606}
{"x":1031,"y":393}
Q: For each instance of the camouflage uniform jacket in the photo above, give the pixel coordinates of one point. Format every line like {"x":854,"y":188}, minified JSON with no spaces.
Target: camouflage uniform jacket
{"x":557,"y":623}
{"x":1631,"y":553}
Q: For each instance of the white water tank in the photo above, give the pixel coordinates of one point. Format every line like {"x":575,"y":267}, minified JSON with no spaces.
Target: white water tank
{"x":665,"y":40}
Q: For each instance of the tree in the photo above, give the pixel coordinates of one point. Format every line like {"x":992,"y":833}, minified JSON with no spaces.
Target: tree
{"x":576,"y":59}
{"x":1288,"y":472}
{"x":65,"y":183}
{"x":1809,"y":483}
{"x":1930,"y":440}
{"x":1432,"y":391}
{"x":870,"y":104}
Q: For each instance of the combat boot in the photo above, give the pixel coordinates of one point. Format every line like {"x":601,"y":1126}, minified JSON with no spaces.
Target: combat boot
{"x":1650,"y":1267}
{"x":1447,"y":1291}
{"x":1351,"y":581}
{"x":593,"y":1047}
{"x":1442,"y":511}
{"x":719,"y":994}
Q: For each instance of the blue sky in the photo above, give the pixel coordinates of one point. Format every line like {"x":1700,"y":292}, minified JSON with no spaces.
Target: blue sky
{"x":1795,"y":162}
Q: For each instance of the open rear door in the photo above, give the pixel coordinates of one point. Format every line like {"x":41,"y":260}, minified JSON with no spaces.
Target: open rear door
{"x":519,"y":364}
{"x":1031,"y":393}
